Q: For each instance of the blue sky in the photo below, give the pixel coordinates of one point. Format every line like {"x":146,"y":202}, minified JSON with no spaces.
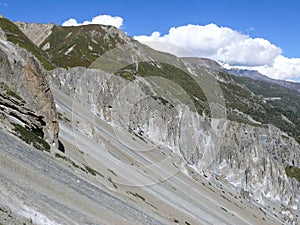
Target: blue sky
{"x":276,"y":21}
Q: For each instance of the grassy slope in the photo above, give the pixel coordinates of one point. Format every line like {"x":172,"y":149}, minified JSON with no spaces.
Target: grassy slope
{"x":89,"y":42}
{"x":237,"y":97}
{"x":16,"y":36}
{"x":79,"y":39}
{"x":174,"y":74}
{"x":272,"y":111}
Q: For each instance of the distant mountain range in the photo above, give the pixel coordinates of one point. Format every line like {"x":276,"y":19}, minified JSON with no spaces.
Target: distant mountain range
{"x":258,"y":76}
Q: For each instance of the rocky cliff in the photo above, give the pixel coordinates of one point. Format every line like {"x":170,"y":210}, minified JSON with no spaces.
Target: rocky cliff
{"x":254,"y":159}
{"x":219,"y":127}
{"x":249,"y":158}
{"x":27,"y":105}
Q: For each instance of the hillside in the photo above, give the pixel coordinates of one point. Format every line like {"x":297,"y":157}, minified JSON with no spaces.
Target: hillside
{"x":258,"y":76}
{"x":144,"y":137}
{"x":80,"y":46}
{"x":284,"y":104}
{"x":16,"y":36}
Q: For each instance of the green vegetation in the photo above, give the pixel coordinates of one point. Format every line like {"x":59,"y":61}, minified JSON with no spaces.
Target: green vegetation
{"x":10,"y":92}
{"x":16,"y":36}
{"x":292,"y":171}
{"x":86,"y":168}
{"x":57,"y":155}
{"x":225,"y":210}
{"x":136,"y":195}
{"x":126,"y":75}
{"x":283,"y":113}
{"x":79,"y":46}
{"x":160,"y":99}
{"x":90,"y":170}
{"x":239,"y":99}
{"x":31,"y":138}
{"x":236,"y":96}
{"x":88,"y":43}
{"x":169,"y":72}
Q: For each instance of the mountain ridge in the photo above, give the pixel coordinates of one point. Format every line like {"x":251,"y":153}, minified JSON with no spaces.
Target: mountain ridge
{"x":219,"y":125}
{"x":258,"y":76}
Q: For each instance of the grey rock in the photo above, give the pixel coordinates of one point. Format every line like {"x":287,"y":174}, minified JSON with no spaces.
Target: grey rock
{"x":26,"y":97}
{"x":249,"y":158}
{"x":37,"y":33}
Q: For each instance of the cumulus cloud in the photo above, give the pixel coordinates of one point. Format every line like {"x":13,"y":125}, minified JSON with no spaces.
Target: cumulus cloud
{"x":219,"y":43}
{"x":101,"y":19}
{"x":226,"y":45}
{"x":282,"y":68}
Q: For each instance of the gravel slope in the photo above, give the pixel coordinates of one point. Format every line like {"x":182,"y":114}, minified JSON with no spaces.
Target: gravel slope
{"x":33,"y":184}
{"x":132,"y":187}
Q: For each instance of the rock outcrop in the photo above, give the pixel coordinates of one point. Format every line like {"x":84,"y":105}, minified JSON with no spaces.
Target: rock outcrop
{"x":250,"y":158}
{"x":254,"y":159}
{"x":27,"y":105}
{"x":246,"y":155}
{"x":37,"y":33}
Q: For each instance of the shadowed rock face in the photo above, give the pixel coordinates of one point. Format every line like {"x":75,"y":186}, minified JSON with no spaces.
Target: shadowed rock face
{"x":26,"y":98}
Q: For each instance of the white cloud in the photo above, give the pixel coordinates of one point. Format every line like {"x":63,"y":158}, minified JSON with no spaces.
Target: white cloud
{"x":282,"y":68}
{"x":70,"y":22}
{"x":228,"y":45}
{"x":219,"y":43}
{"x":101,"y":19}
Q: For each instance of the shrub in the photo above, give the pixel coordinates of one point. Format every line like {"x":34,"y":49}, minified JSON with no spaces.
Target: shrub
{"x":31,"y":138}
{"x":293,"y":172}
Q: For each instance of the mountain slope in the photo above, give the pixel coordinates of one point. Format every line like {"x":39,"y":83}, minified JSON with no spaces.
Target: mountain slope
{"x":37,"y":33}
{"x":152,"y":109}
{"x":284,"y":104}
{"x":16,"y":36}
{"x":80,"y":46}
{"x":27,"y":104}
{"x":165,"y":135}
{"x":258,"y":76}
